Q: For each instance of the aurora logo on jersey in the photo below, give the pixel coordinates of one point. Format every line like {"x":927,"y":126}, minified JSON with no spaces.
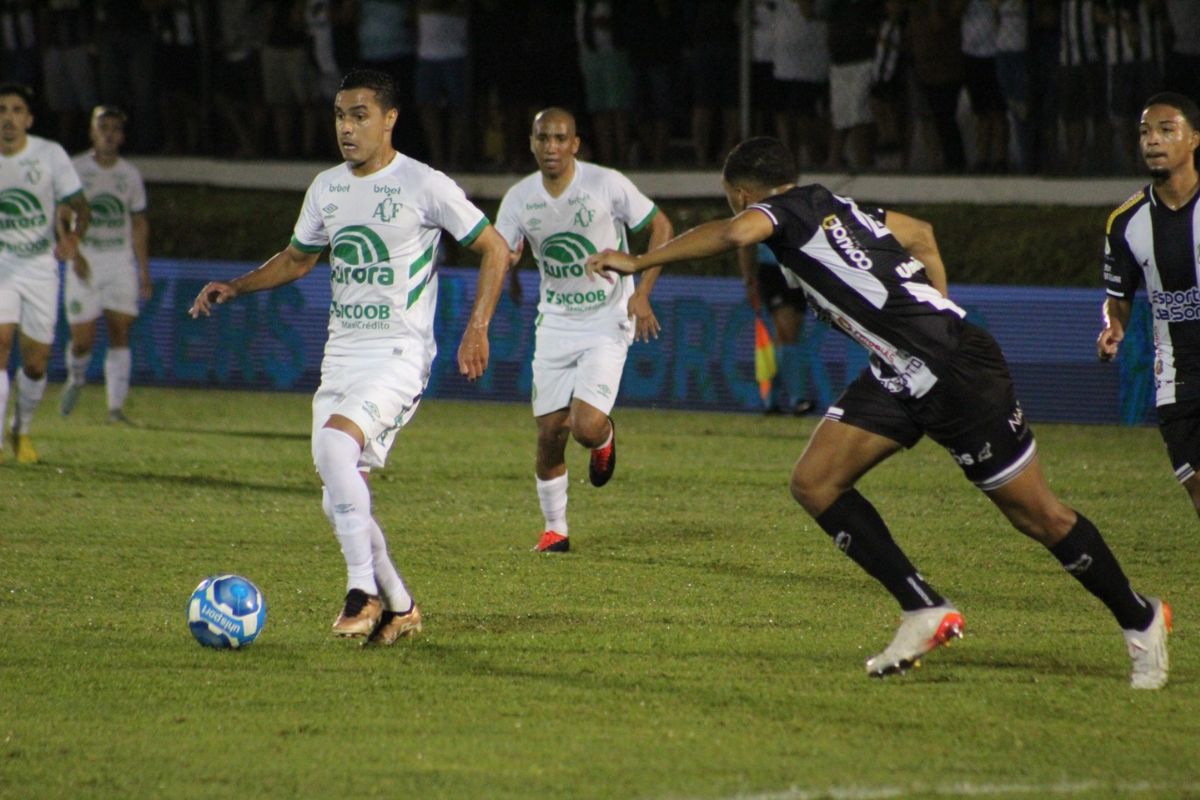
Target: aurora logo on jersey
{"x":563,"y":255}
{"x":107,"y":211}
{"x":20,"y":210}
{"x":357,"y":246}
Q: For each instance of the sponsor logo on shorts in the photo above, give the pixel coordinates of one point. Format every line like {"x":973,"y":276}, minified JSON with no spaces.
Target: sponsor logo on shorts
{"x":1181,"y":306}
{"x":965,"y":459}
{"x":842,"y":541}
{"x":603,"y":390}
{"x":371,"y":409}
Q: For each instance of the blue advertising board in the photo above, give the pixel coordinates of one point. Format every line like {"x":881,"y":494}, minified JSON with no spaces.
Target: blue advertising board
{"x":703,"y":359}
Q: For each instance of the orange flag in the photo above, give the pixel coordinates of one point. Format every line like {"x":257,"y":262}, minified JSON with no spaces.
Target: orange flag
{"x":764,"y":358}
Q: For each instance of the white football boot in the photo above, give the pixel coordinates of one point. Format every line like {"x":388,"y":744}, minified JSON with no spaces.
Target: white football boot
{"x":1148,"y":649}
{"x":919,"y":632}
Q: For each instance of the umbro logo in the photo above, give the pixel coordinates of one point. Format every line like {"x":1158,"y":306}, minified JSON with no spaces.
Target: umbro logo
{"x":329,"y":209}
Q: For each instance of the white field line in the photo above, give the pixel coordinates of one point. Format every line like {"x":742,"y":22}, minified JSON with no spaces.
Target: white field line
{"x":969,"y":789}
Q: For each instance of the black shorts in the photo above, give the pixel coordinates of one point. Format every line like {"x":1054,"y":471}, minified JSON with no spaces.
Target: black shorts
{"x":972,"y":411}
{"x":1179,"y":424}
{"x":774,"y":291}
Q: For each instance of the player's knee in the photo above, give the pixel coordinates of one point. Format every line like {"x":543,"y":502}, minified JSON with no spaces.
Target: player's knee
{"x":811,"y":489}
{"x":334,"y":451}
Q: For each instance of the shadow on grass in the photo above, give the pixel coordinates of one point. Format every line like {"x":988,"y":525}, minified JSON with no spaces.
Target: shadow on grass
{"x":270,"y":435}
{"x":205,"y":482}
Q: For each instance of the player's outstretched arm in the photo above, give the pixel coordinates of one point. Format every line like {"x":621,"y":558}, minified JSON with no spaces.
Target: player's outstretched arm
{"x":285,"y":266}
{"x":645,"y":323}
{"x":916,"y":236}
{"x":473,"y":350}
{"x":1116,"y":320}
{"x":710,"y":239}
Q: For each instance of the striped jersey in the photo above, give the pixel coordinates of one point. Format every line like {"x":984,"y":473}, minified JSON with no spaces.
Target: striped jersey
{"x":1146,"y":243}
{"x":859,"y":278}
{"x":382,"y":231}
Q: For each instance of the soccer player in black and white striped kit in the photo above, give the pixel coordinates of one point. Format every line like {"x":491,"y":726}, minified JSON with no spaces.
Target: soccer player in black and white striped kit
{"x":878,"y":276}
{"x":1153,"y":240}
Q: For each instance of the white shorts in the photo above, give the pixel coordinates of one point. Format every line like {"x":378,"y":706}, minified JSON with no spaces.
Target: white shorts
{"x":379,"y":395}
{"x":584,"y":364}
{"x":30,"y":299}
{"x":105,"y":290}
{"x":850,"y":95}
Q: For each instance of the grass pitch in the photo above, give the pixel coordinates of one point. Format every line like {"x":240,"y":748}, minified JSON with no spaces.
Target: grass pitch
{"x":702,"y":639}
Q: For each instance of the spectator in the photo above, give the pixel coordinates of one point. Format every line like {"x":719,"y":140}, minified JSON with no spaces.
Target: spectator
{"x":979,"y":28}
{"x":654,"y":31}
{"x":19,"y":57}
{"x":1183,"y":59}
{"x":1043,"y":84}
{"x":1081,"y":94}
{"x":287,"y":81}
{"x":1133,"y":44}
{"x":1012,"y":72}
{"x":853,"y":31}
{"x":889,"y":81}
{"x":762,"y":65}
{"x":443,"y":48}
{"x":66,"y":28}
{"x":125,"y":46}
{"x":237,"y":79}
{"x":801,"y":73}
{"x":387,"y":41}
{"x":714,"y":84}
{"x":607,"y":78}
{"x":177,"y":26}
{"x":934,"y":36}
{"x":321,"y":18}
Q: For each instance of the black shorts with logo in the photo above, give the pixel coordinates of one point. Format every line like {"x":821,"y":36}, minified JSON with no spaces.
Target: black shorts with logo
{"x":972,"y":411}
{"x":1179,"y":424}
{"x":774,"y":292}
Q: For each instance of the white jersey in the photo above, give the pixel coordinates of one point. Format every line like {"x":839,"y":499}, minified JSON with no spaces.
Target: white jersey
{"x":591,"y":216}
{"x":115,"y":194}
{"x":32,"y":182}
{"x":383,"y":231}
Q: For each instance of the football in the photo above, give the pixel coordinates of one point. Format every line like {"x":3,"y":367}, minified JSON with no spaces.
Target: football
{"x":226,"y":612}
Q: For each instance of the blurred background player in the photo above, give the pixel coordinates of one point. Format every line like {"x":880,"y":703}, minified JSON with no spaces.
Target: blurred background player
{"x":42,"y":198}
{"x":565,"y":211}
{"x":379,"y":208}
{"x":766,"y":288}
{"x":1154,"y":239}
{"x":878,"y":276}
{"x":111,"y":272}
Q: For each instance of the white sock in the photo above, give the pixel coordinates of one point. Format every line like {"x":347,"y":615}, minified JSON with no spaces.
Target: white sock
{"x":117,"y":365}
{"x":607,"y":441}
{"x":350,"y":502}
{"x":552,"y":495}
{"x":77,"y":367}
{"x":29,"y":397}
{"x":391,"y":585}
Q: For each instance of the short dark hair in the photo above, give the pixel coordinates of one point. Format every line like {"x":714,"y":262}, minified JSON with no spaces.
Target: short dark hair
{"x":20,"y":90}
{"x":100,"y":112}
{"x":762,"y":161}
{"x":1181,"y":102}
{"x":377,"y":81}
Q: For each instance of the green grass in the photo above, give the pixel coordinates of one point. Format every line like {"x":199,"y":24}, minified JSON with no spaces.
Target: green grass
{"x":703,"y":639}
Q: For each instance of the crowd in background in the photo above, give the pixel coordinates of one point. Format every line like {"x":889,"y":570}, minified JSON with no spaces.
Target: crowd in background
{"x":1040,"y":86}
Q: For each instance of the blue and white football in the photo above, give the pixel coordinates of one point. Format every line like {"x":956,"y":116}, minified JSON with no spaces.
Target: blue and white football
{"x":226,"y":611}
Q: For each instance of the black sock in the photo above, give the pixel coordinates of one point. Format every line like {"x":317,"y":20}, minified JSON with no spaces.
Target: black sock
{"x":859,"y":532}
{"x":1083,"y":553}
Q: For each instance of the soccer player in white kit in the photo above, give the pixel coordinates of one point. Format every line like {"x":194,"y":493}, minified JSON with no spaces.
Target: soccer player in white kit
{"x":111,"y":272}
{"x":381,"y":214}
{"x":41,"y":198}
{"x":566,"y":211}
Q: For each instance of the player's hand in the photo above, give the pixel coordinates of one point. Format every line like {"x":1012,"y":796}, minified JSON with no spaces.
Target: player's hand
{"x":610,"y":260}
{"x":145,"y":288}
{"x":473,"y":353}
{"x":646,"y":324}
{"x":67,"y":247}
{"x":81,"y":267}
{"x":214,"y":292}
{"x":1109,"y":342}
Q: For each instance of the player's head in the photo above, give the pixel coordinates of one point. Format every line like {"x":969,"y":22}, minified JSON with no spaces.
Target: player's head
{"x":365,"y":111}
{"x":107,"y":129}
{"x":554,"y":141}
{"x":1170,"y":133}
{"x":754,"y":168}
{"x":16,"y":114}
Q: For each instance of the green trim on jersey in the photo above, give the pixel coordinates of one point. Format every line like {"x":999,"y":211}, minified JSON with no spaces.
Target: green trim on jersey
{"x":306,"y":248}
{"x":420,"y":262}
{"x":537,"y":322}
{"x":467,"y":240}
{"x":638,"y":228}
